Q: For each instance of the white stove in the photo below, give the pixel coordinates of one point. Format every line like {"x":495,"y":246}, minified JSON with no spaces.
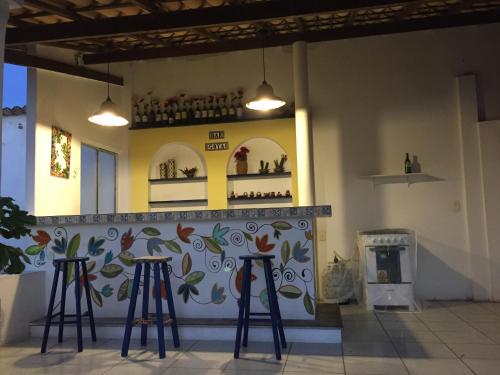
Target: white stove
{"x":386,"y":257}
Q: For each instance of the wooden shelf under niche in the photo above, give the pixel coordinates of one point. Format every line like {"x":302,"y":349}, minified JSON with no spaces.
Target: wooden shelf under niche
{"x":182,"y":201}
{"x":256,"y":176}
{"x":178,"y":180}
{"x":259,"y":200}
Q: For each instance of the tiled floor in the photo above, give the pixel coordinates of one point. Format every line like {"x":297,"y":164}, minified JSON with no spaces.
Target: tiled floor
{"x":445,"y":338}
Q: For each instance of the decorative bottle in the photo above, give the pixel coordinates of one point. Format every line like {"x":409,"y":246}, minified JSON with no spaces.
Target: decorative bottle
{"x":137,"y":115}
{"x":223,"y":107}
{"x":204,"y":111}
{"x":232,"y":108}
{"x":239,"y":108}
{"x":211,"y":112}
{"x":197,"y":111}
{"x":144,"y":116}
{"x":407,"y":164}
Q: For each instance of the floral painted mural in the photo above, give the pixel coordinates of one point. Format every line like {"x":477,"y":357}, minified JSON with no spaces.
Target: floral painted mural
{"x":206,"y":271}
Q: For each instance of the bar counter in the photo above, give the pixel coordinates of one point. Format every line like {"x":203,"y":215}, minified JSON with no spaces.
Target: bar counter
{"x":205,"y":247}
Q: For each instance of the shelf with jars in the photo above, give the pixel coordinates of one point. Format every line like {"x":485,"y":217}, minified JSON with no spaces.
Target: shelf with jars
{"x":152,"y":113}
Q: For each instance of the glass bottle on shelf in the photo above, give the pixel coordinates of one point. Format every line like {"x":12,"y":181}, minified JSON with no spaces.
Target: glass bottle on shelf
{"x":223,"y":107}
{"x":137,"y":115}
{"x":204,"y":110}
{"x":197,"y":111}
{"x":144,"y":115}
{"x":232,"y":108}
{"x":171,"y":114}
{"x":157,"y":114}
{"x":183,"y":109}
{"x":190,"y":111}
{"x":151,"y":115}
{"x":164,"y":114}
{"x":177,"y":113}
{"x":407,"y":164}
{"x":239,"y":108}
{"x":211,"y":112}
{"x":217,"y":109}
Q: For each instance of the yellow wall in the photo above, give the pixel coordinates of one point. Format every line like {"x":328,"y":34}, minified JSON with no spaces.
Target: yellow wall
{"x":143,"y":145}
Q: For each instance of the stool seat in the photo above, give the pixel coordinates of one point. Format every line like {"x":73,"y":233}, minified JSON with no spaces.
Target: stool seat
{"x":152,"y":259}
{"x":257,"y":256}
{"x":70,"y":260}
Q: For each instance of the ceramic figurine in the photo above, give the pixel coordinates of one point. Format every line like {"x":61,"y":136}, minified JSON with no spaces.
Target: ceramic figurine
{"x":252,"y":194}
{"x":259,"y":194}
{"x":273,"y":194}
{"x":233,"y":195}
{"x":279,"y":194}
{"x":245,"y":195}
{"x":266,"y":195}
{"x":287,"y":194}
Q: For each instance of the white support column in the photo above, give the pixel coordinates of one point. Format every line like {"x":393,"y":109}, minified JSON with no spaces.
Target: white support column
{"x":303,"y":131}
{"x":4,"y":15}
{"x":473,"y":190}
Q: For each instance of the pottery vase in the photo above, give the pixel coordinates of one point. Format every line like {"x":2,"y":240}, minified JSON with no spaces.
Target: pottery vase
{"x":171,"y":169}
{"x":241,"y":167}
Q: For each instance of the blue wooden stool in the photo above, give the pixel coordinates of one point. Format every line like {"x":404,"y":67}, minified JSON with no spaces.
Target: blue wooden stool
{"x":144,"y":321}
{"x":244,"y":305}
{"x":63,"y":264}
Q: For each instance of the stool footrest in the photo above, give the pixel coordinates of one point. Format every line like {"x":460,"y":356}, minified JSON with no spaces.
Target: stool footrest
{"x":69,"y":315}
{"x":260,"y":320}
{"x":260,"y":314}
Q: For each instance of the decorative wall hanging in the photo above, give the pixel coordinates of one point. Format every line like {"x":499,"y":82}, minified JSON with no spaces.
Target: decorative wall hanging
{"x":60,"y":156}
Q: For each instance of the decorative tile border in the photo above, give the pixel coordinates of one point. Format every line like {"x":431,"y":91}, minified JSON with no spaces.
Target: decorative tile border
{"x":156,"y":217}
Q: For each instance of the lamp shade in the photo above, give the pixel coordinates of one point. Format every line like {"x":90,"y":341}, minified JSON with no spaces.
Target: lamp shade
{"x":265,"y":99}
{"x":108,"y":115}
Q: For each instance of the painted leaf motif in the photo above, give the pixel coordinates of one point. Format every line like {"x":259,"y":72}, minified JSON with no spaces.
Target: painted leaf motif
{"x":163,"y":291}
{"x":173,"y":246}
{"x":194,"y":290}
{"x":281,"y":225}
{"x":111,"y":270}
{"x":60,"y":245}
{"x":309,"y":235}
{"x":126,"y":257}
{"x":72,"y":249}
{"x":195,"y":277}
{"x":123,"y":290}
{"x":262,"y":244}
{"x":153,"y":245}
{"x":107,"y":291}
{"x":184,"y":233}
{"x":42,"y":238}
{"x":96,"y":296}
{"x":109,"y":257}
{"x":34,"y":249}
{"x":90,"y":266}
{"x":94,"y":247}
{"x":150,"y":231}
{"x":285,"y":251}
{"x":127,"y":240}
{"x":187,"y":263}
{"x":308,"y":304}
{"x":290,"y":291}
{"x":239,"y":279}
{"x":299,"y":253}
{"x":277,"y":234}
{"x":91,"y":277}
{"x":248,"y":236}
{"x":264,"y":299}
{"x":212,"y":245}
{"x":218,"y":234}
{"x":217,"y":296}
{"x":184,"y":291}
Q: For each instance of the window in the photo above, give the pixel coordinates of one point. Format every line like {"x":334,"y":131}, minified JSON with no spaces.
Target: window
{"x":98,"y":181}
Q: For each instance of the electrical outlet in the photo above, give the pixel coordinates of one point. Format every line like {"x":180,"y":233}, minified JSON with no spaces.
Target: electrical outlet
{"x":322,"y":235}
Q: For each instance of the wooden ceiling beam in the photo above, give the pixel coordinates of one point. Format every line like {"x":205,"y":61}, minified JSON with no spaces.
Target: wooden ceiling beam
{"x":286,"y":39}
{"x":53,"y":9}
{"x":186,"y":19}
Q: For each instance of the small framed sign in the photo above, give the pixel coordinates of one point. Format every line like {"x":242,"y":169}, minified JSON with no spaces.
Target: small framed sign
{"x":216,"y":146}
{"x":216,"y":134}
{"x":60,"y":155}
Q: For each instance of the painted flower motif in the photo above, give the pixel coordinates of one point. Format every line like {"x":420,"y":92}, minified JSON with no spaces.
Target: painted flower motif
{"x":163,"y":292}
{"x":262,"y":244}
{"x":90,"y":277}
{"x":42,"y":238}
{"x":184,"y":233}
{"x":239,"y":279}
{"x":127,"y":240}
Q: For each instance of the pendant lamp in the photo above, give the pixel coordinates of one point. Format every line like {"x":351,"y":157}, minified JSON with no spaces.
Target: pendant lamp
{"x":108,"y":114}
{"x":265,"y":99}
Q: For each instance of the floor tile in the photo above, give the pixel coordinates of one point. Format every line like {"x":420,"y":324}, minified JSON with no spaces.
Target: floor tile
{"x":463,"y":337}
{"x":405,"y":325}
{"x":436,"y":366}
{"x":371,"y":349}
{"x":374,"y":365}
{"x":412,"y":336}
{"x":315,"y":358}
{"x":476,"y":351}
{"x":448,"y":325}
{"x":191,"y":371}
{"x":484,"y":366}
{"x":424,"y":350}
{"x":133,"y":369}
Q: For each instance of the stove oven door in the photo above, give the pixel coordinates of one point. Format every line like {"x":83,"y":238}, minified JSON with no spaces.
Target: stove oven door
{"x":388,"y":265}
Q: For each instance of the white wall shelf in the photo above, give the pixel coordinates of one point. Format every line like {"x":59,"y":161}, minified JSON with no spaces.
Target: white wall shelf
{"x":178,"y":180}
{"x":254,"y":176}
{"x":409,"y":178}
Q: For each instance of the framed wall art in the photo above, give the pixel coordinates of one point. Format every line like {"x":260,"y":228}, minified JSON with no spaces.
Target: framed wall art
{"x":60,"y":156}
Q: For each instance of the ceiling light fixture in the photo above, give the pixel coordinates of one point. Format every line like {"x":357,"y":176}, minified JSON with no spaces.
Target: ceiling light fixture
{"x":265,"y":99}
{"x":108,"y":114}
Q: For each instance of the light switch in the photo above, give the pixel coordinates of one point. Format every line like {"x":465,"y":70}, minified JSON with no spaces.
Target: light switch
{"x":322,"y":235}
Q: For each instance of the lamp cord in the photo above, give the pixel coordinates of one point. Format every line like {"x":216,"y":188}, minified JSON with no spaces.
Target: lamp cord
{"x":264,"y":63}
{"x":107,"y":79}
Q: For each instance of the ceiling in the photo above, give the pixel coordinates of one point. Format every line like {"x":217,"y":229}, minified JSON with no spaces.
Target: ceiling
{"x":125,"y":30}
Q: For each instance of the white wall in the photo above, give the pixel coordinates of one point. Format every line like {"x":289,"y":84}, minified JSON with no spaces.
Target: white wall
{"x":14,"y":158}
{"x":66,"y":101}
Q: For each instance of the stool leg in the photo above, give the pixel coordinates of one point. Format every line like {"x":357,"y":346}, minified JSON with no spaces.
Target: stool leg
{"x":159,"y":312}
{"x":48,"y":320}
{"x":63,"y":302}
{"x":131,"y":310}
{"x":89,"y":301}
{"x":277,"y":306}
{"x":246,"y":301}
{"x":78,"y":307}
{"x":170,"y":303}
{"x":274,"y":319}
{"x":145,"y":304}
{"x":241,"y":305}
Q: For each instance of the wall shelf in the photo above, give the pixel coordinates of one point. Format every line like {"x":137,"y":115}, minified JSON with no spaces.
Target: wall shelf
{"x":409,"y":178}
{"x":178,"y":180}
{"x":252,"y":176}
{"x":182,"y":201}
{"x":162,"y":124}
{"x":259,"y":200}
